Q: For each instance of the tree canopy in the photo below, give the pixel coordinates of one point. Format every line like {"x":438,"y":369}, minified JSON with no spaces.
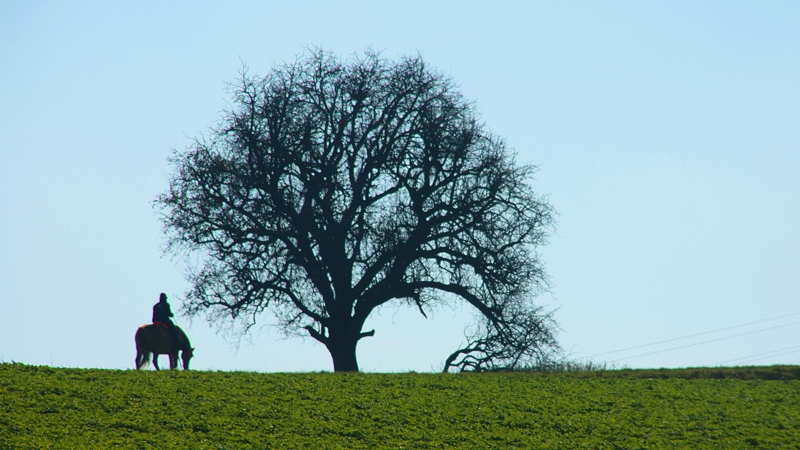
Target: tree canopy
{"x":332,"y":187}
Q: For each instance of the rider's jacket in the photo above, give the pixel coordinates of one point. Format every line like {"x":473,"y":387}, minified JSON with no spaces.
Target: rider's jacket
{"x":162,"y":313}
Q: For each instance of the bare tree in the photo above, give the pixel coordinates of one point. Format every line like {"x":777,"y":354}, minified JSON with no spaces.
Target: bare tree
{"x":332,"y":187}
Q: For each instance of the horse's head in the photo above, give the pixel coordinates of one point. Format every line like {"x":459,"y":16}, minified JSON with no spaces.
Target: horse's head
{"x":186,"y":355}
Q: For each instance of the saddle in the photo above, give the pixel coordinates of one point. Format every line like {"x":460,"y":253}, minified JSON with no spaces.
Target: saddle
{"x":180,"y":343}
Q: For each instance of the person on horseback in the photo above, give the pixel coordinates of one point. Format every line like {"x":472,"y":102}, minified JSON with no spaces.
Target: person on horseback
{"x":162,"y":313}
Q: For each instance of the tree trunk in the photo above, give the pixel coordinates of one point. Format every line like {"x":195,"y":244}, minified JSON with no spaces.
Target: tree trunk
{"x":343,"y":353}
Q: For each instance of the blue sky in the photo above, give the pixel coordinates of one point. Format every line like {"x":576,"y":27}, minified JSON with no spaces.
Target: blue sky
{"x":667,"y":136}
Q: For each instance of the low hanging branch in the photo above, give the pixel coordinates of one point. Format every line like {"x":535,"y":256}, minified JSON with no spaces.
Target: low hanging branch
{"x":524,"y":339}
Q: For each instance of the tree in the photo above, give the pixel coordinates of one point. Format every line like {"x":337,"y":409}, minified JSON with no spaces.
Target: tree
{"x":333,"y":187}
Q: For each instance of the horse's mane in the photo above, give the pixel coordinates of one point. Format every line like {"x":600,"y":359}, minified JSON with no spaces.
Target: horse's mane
{"x":184,"y":336}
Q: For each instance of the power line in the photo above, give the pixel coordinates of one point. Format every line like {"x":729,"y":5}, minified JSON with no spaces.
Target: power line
{"x":758,"y":356}
{"x":692,"y":335}
{"x":705,"y":342}
{"x":772,"y":356}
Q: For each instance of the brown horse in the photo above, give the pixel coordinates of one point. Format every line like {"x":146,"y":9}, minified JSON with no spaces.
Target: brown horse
{"x":155,"y":339}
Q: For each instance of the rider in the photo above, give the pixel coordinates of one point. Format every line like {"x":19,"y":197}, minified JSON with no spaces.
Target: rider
{"x":163,"y":313}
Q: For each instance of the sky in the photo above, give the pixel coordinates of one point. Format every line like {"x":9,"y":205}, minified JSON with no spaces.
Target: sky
{"x":667,"y":136}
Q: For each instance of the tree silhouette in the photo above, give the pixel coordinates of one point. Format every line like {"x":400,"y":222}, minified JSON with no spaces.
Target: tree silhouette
{"x":332,"y":187}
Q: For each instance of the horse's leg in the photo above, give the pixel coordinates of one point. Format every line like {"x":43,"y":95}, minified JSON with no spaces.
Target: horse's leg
{"x":139,"y":358}
{"x":155,"y":360}
{"x":173,"y":361}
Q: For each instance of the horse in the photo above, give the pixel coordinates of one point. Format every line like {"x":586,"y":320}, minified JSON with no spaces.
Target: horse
{"x":154,"y":338}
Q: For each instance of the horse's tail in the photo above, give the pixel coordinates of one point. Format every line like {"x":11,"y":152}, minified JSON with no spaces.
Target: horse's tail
{"x":142,"y":351}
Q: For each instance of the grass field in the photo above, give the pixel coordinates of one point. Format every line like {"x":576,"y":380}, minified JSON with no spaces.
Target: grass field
{"x":43,"y":407}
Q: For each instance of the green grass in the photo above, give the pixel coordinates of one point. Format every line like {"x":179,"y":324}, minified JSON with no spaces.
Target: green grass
{"x":43,"y":407}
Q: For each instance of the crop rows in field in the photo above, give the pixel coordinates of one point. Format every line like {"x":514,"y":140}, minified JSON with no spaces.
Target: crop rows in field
{"x":46,"y":407}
